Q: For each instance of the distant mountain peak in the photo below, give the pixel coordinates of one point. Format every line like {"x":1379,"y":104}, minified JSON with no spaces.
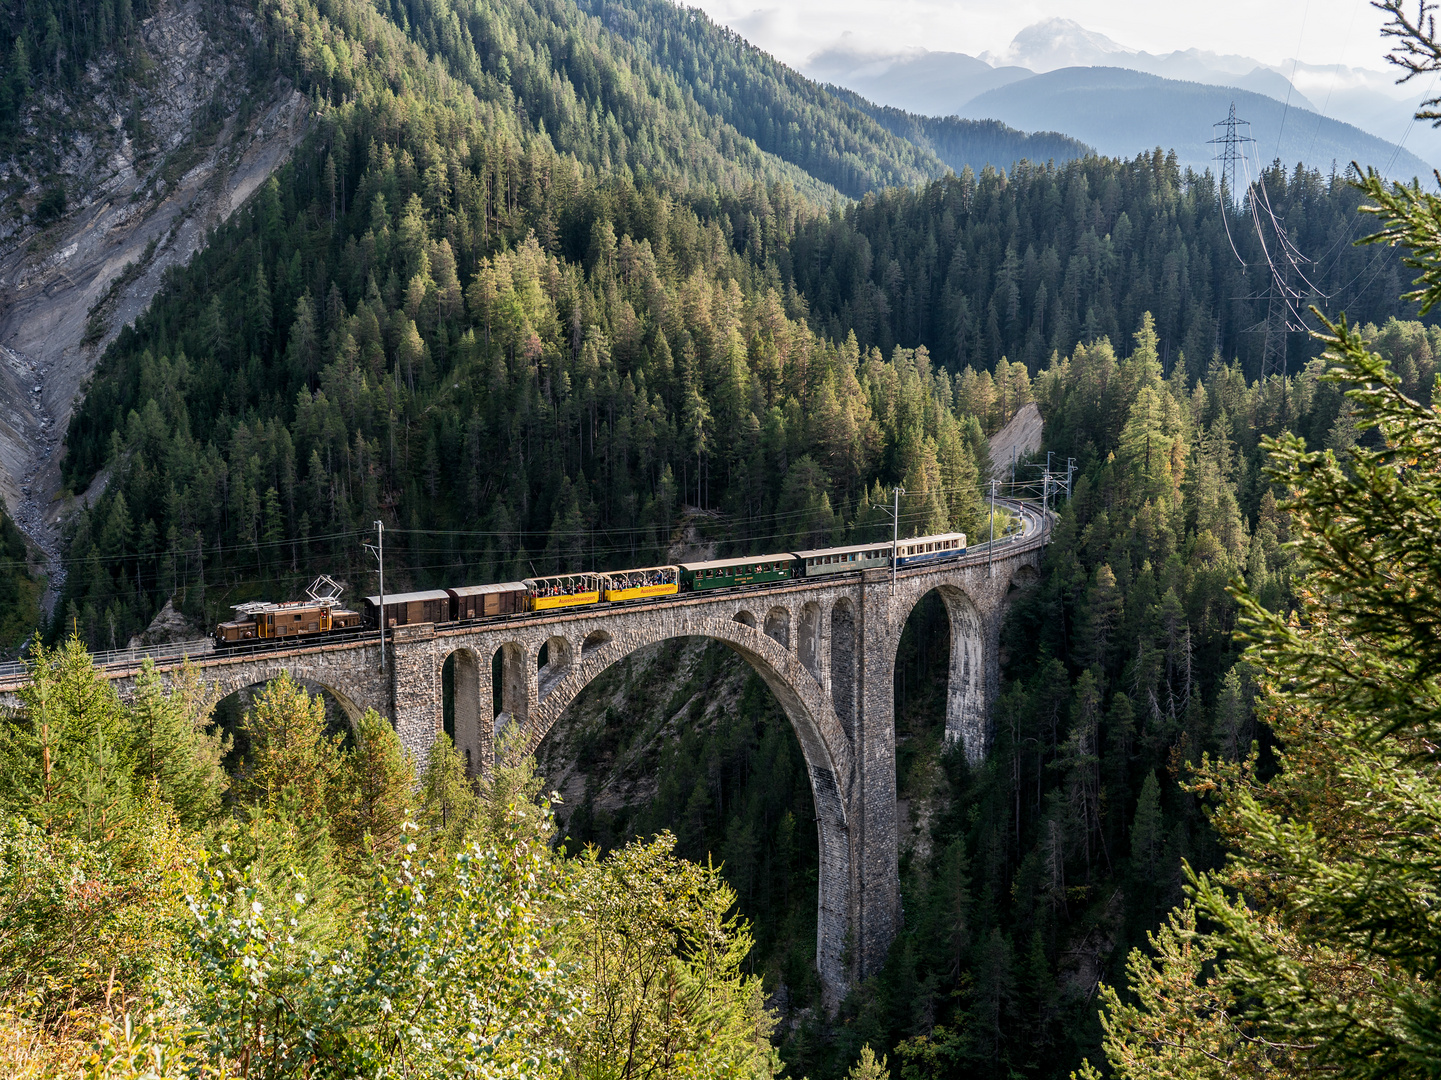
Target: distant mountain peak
{"x":1058,"y":43}
{"x":934,"y":83}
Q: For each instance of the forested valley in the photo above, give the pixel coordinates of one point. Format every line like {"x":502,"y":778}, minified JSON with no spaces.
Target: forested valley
{"x":556,"y":286}
{"x":622,"y":352}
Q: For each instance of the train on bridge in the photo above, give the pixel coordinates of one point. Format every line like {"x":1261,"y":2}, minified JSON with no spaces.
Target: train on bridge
{"x":321,"y":613}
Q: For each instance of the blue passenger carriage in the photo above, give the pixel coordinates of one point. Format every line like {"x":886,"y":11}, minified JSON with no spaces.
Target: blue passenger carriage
{"x":924,"y":549}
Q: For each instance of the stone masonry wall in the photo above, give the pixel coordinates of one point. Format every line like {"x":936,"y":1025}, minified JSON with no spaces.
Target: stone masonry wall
{"x":816,"y":645}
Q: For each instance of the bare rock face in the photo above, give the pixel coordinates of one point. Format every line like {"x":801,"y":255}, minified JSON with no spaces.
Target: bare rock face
{"x":1018,"y":440}
{"x":170,"y":626}
{"x":149,"y":164}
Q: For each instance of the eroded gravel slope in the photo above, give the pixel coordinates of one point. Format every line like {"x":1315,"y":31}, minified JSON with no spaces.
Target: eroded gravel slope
{"x":66,"y":291}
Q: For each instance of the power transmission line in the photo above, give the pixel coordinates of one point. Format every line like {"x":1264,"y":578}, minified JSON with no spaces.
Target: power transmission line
{"x":1232,"y":150}
{"x":1284,"y":302}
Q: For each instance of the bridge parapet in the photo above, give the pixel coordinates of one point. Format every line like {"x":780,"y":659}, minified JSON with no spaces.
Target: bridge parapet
{"x":826,"y":648}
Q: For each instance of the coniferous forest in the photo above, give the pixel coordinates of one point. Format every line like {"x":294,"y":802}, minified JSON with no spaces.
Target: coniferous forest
{"x":555,"y":286}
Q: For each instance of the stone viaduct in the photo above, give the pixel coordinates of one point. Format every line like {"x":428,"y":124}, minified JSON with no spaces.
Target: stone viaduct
{"x":826,"y":648}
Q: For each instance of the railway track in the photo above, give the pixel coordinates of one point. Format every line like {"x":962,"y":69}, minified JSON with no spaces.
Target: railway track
{"x":1034,"y":532}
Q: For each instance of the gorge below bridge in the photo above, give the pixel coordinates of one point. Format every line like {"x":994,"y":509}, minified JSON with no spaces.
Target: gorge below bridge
{"x":826,"y":647}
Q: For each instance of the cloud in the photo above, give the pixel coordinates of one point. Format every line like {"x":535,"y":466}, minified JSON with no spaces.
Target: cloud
{"x":760,"y":24}
{"x":1321,"y":32}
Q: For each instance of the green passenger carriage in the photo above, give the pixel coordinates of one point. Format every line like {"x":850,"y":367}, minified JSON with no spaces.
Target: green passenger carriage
{"x":844,"y":560}
{"x":726,"y":573}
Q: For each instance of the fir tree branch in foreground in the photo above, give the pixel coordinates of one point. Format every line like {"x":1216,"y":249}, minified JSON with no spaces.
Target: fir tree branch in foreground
{"x":1317,"y":952}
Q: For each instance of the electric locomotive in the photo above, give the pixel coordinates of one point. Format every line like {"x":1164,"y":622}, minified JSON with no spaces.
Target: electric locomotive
{"x":321,"y":613}
{"x":260,"y":620}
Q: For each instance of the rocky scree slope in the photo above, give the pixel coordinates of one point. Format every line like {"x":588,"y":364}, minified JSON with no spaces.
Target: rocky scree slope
{"x":149,"y":153}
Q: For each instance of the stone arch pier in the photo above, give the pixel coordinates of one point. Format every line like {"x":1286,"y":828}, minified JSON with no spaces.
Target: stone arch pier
{"x":349,"y":672}
{"x":826,"y":648}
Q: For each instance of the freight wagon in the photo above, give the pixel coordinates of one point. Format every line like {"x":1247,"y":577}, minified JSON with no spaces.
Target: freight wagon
{"x":322,"y":614}
{"x":482,"y":601}
{"x":407,"y":609}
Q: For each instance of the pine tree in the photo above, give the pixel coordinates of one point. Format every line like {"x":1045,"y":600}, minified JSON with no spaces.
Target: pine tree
{"x":1037,"y":994}
{"x":373,"y":789}
{"x":868,"y":1067}
{"x":951,"y":904}
{"x":1147,"y":845}
{"x":1104,"y":609}
{"x":1082,"y":763}
{"x":1147,"y":445}
{"x":259,"y":315}
{"x":696,"y":424}
{"x":304,"y":346}
{"x":1233,"y":717}
{"x":449,"y":803}
{"x":289,"y":749}
{"x":69,"y":763}
{"x":993,"y":997}
{"x":805,"y":507}
{"x":274,"y":521}
{"x":176,"y":744}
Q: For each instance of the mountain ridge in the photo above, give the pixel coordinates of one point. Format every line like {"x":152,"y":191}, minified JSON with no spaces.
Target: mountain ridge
{"x":943,"y":83}
{"x":971,"y":143}
{"x":1122,"y":112}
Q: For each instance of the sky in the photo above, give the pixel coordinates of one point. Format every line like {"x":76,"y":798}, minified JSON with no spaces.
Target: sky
{"x":1322,"y":32}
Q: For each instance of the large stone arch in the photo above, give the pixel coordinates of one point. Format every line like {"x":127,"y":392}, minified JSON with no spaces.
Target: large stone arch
{"x":804,"y":700}
{"x":352,"y":685}
{"x":234,"y":699}
{"x":824,"y":743}
{"x":348,"y":707}
{"x":467,"y":708}
{"x":968,"y":682}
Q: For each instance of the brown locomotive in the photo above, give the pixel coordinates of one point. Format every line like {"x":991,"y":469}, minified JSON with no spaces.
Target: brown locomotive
{"x":259,"y":620}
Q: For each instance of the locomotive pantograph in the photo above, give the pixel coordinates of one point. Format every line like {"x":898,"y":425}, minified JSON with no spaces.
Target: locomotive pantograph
{"x":259,"y":620}
{"x":321,"y":613}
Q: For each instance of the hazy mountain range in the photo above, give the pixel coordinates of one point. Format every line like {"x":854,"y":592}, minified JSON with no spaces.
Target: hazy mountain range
{"x":1057,"y":75}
